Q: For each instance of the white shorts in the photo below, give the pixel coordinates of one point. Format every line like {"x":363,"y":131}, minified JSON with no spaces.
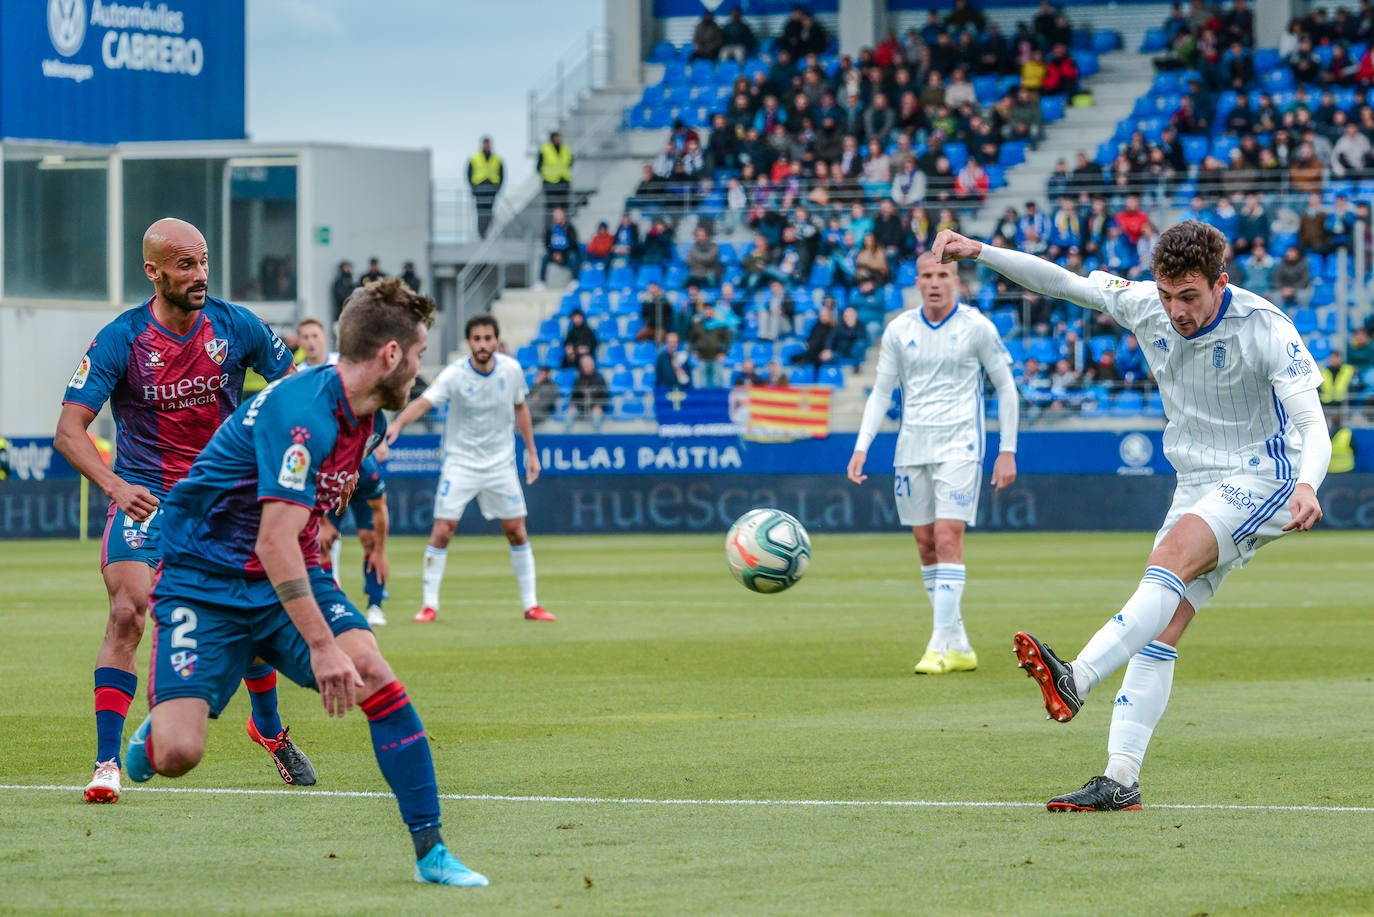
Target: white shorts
{"x":1244,"y":513}
{"x":948,"y":490}
{"x":497,"y":491}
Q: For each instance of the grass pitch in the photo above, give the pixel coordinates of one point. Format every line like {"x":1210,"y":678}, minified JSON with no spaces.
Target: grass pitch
{"x":677,"y":745}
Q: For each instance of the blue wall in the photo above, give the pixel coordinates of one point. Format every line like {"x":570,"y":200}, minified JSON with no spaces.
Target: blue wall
{"x":88,"y":71}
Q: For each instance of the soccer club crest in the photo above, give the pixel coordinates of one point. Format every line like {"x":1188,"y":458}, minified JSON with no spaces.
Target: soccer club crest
{"x":217,"y":349}
{"x":184,"y":662}
{"x":135,"y":538}
{"x":1219,"y":356}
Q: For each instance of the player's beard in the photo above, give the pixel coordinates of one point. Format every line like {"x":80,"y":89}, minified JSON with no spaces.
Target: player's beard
{"x":482,"y":359}
{"x":395,"y":388}
{"x":183,"y":299}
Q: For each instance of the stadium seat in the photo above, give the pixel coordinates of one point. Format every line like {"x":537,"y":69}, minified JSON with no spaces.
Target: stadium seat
{"x":591,"y":277}
{"x":789,"y":350}
{"x":1051,"y":108}
{"x":761,"y":352}
{"x":830,"y":375}
{"x":701,"y":71}
{"x":997,"y":177}
{"x":568,"y":303}
{"x":675,"y":278}
{"x":528,"y":355}
{"x":663,"y":52}
{"x":674,"y":72}
{"x":621,"y":382}
{"x":727,"y":71}
{"x":550,"y":329}
{"x":616,"y":354}
{"x":1320,"y":347}
{"x":803,"y":374}
{"x":1128,"y":402}
{"x":1013,"y":153}
{"x":1266,"y":59}
{"x":644,"y":353}
{"x":906,"y":274}
{"x":821,"y":274}
{"x":985,"y":88}
{"x":1004,"y":320}
{"x":622,"y":277}
{"x":647,"y":274}
{"x":957,"y":154}
{"x":564,"y":378}
{"x":629,"y":407}
{"x":1155,"y":41}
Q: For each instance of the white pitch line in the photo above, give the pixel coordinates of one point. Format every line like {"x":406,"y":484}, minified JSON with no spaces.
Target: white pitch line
{"x":611,"y":800}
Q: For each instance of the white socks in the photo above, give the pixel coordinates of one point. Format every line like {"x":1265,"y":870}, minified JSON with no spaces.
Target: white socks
{"x":522,"y":562}
{"x":1139,"y":705}
{"x":945,"y":585}
{"x":433,"y":574}
{"x":1141,"y":620}
{"x":336,"y":558}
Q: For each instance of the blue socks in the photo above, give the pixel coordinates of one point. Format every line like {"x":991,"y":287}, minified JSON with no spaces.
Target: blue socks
{"x":114,"y":692}
{"x":402,"y":749}
{"x":261,"y":681}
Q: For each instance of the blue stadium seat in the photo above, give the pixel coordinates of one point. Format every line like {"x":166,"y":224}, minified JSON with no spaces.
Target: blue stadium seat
{"x":1004,"y":320}
{"x":647,"y":274}
{"x":1128,"y":402}
{"x":674,"y":72}
{"x":997,"y":177}
{"x":1051,"y":108}
{"x":789,"y":350}
{"x":1155,"y":40}
{"x":622,"y":277}
{"x":621,"y":382}
{"x":1042,"y":349}
{"x":1305,"y":321}
{"x":644,"y":353}
{"x":568,"y":303}
{"x":906,"y":274}
{"x":551,"y":330}
{"x":821,"y":274}
{"x":528,"y":355}
{"x":564,"y":378}
{"x":830,"y":375}
{"x":727,"y":71}
{"x":616,"y":354}
{"x":761,"y":352}
{"x":1100,"y":345}
{"x":1281,"y":242}
{"x":728,"y":255}
{"x":985,"y":88}
{"x":1266,"y":59}
{"x":1320,"y":347}
{"x":957,"y":154}
{"x":803,"y":374}
{"x":1087,"y":63}
{"x":598,"y":304}
{"x":675,"y":278}
{"x":1013,"y":153}
{"x":1105,"y":41}
{"x":1195,"y":149}
{"x":591,"y":277}
{"x":629,"y":407}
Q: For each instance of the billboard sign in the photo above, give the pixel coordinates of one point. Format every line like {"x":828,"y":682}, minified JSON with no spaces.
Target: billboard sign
{"x":90,"y":71}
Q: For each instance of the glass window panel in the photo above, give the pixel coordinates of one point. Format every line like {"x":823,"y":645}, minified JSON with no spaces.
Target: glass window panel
{"x":262,"y":230}
{"x":56,"y":208}
{"x":188,"y":189}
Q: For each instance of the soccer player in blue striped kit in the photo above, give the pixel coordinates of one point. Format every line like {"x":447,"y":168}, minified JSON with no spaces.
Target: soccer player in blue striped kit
{"x":241,"y":572}
{"x":1248,"y":439}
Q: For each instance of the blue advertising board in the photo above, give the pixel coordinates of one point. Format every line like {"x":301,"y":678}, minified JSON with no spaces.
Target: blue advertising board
{"x":89,"y":71}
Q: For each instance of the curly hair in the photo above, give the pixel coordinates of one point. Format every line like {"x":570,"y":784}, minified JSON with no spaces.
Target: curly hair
{"x":375,"y":313}
{"x":1190,"y":248}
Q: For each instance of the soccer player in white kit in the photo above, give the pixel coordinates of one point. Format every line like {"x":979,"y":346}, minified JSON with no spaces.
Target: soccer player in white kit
{"x":938,"y":354}
{"x":1247,"y":437}
{"x":485,"y":392}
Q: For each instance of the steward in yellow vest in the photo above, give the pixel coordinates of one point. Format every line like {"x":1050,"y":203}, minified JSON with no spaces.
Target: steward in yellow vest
{"x":1342,"y":449}
{"x":486,"y":174}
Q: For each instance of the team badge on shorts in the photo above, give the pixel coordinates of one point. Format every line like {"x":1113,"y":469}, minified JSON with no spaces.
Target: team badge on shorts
{"x":135,"y":538}
{"x":217,"y":349}
{"x":185,"y":663}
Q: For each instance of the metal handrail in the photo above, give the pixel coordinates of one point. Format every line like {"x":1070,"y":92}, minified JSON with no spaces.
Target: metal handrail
{"x":585,"y":66}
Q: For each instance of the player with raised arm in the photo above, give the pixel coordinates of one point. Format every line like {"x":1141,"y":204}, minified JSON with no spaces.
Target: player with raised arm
{"x":241,"y":571}
{"x":937,"y":355}
{"x":373,"y":522}
{"x":1246,"y":435}
{"x":485,"y":392}
{"x":172,"y":370}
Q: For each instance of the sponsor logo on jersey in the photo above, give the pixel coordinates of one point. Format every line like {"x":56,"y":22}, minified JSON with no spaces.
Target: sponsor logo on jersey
{"x":135,"y":538}
{"x":1298,"y":368}
{"x":1161,"y":344}
{"x":1237,"y":496}
{"x":295,"y":462}
{"x":83,"y":370}
{"x":217,"y":350}
{"x":1117,"y":283}
{"x":185,"y":393}
{"x":184,"y":662}
{"x":1219,"y":356}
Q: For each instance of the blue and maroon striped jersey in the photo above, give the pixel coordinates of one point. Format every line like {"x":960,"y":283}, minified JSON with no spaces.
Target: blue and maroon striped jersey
{"x":298,"y":441}
{"x":169,"y":392}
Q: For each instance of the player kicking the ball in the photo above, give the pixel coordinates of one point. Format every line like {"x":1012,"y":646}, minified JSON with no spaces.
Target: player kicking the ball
{"x":1247,"y":437}
{"x":485,"y":394}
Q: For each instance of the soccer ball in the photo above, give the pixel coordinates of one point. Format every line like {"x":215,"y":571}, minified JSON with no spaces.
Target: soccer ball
{"x":767,"y":550}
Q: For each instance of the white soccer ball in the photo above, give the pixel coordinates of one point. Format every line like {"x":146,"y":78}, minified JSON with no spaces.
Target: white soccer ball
{"x":767,"y":550}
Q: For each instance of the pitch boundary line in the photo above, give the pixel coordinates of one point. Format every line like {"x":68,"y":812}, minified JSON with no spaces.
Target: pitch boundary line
{"x":632,"y":801}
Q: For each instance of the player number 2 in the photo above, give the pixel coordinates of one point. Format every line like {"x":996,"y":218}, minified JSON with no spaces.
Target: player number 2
{"x":185,"y":621}
{"x":130,"y":522}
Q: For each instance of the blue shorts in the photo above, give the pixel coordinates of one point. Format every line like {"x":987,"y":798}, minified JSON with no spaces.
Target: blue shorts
{"x":361,"y":511}
{"x":211,"y":626}
{"x":127,"y":539}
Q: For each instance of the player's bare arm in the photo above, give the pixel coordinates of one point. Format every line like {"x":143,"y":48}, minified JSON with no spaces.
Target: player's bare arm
{"x":856,"y":466}
{"x":411,"y":413}
{"x":525,"y":426}
{"x":71,"y":439}
{"x":374,"y":557}
{"x":1004,"y":470}
{"x":950,"y":246}
{"x":278,"y":549}
{"x":329,"y":534}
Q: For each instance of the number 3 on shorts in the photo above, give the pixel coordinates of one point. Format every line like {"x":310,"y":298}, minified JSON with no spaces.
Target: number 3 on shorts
{"x":443,"y":487}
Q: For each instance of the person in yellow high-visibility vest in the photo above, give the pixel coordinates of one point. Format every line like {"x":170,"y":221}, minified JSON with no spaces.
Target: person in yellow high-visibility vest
{"x":555,"y":170}
{"x":1342,"y":447}
{"x":486,"y":174}
{"x":1336,"y":378}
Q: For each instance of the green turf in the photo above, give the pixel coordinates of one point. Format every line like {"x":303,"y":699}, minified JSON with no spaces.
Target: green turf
{"x":664,"y":680}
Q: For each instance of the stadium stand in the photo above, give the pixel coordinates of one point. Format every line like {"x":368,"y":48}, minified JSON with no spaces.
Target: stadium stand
{"x":798,"y":171}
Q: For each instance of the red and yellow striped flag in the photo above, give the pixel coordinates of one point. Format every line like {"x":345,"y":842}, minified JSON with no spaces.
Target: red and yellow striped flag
{"x":780,"y":412}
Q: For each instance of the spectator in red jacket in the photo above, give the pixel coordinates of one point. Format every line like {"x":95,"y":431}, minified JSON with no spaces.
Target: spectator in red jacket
{"x":1061,"y":74}
{"x":1132,"y":219}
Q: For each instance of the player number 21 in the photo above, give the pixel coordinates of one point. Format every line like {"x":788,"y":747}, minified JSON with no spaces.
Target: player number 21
{"x":901,"y":485}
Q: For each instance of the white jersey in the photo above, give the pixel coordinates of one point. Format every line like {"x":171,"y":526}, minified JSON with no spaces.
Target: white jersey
{"x":1221,"y":386}
{"x":479,"y":433}
{"x":939,"y":369}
